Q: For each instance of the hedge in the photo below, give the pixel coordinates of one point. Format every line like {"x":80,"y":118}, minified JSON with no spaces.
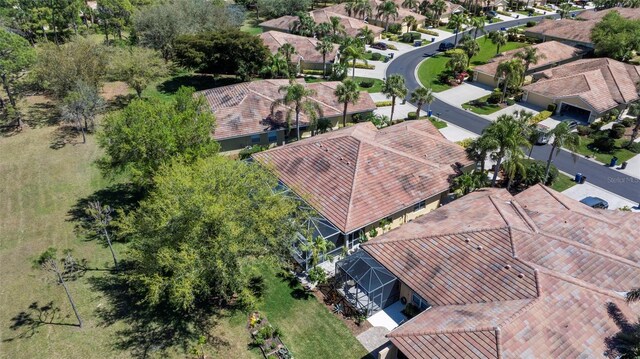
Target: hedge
{"x":540,"y":117}
{"x":366,"y":84}
{"x":312,"y":72}
{"x":412,"y":115}
{"x":361,"y":65}
{"x":384,"y":103}
{"x":428,"y":32}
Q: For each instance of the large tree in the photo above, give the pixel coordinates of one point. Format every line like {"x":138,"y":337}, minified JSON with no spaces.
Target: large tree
{"x":137,"y":66}
{"x":16,"y":57}
{"x":456,"y":23}
{"x":297,"y":98}
{"x":506,"y":134}
{"x":394,"y":87}
{"x":147,"y":134}
{"x":222,"y":52}
{"x":347,"y":93}
{"x":470,"y":47}
{"x":562,"y":137}
{"x":353,"y":53}
{"x":530,"y":56}
{"x":114,"y":15}
{"x":616,"y":37}
{"x":498,"y":38}
{"x":324,"y":47}
{"x":422,"y":96}
{"x":81,"y":106}
{"x":634,"y":110}
{"x":510,"y":73}
{"x":387,"y":10}
{"x":198,"y":231}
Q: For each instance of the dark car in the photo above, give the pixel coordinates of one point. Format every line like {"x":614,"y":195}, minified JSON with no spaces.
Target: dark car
{"x":444,"y":46}
{"x":595,"y":202}
{"x":491,"y":14}
{"x":571,"y":123}
{"x":542,"y":133}
{"x":380,"y":46}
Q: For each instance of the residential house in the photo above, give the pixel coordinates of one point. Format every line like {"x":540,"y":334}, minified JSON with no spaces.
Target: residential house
{"x":553,"y":53}
{"x":361,"y":180}
{"x":244,"y":116}
{"x":306,"y":54}
{"x":450,"y":10}
{"x":536,"y":275}
{"x":576,"y":32}
{"x":585,"y":89}
{"x":351,"y":25}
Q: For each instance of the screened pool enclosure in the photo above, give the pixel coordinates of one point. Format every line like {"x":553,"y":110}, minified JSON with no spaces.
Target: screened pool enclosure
{"x":365,"y":283}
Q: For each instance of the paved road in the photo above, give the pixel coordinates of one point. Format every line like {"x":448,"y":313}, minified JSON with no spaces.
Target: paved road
{"x":598,"y":174}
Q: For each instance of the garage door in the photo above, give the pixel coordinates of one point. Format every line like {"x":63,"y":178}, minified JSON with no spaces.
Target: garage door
{"x":574,"y":113}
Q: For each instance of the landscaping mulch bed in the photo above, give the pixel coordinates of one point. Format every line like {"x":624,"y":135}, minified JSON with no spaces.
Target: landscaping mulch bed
{"x":321,"y":293}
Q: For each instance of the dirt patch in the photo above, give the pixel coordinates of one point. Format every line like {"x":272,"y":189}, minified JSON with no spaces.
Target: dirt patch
{"x":111,"y":90}
{"x":348,"y":321}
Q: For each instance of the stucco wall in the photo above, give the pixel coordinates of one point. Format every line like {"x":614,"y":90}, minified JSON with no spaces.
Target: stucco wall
{"x":239,"y":143}
{"x":486,"y":79}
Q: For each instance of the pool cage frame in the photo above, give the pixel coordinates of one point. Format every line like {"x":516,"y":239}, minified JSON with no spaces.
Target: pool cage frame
{"x":366,"y":283}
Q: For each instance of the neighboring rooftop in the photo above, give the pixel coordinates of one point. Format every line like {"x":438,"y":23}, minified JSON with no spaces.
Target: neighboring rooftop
{"x":245,"y":108}
{"x":352,"y":25}
{"x":535,"y":275}
{"x":305,"y":46}
{"x":552,"y":52}
{"x":626,"y":12}
{"x":602,"y":83}
{"x":402,"y":12}
{"x":359,"y":175}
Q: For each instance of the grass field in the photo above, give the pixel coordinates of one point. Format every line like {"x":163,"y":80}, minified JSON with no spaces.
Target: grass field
{"x":623,"y":154}
{"x":377,"y":83}
{"x":42,"y":186}
{"x":250,"y":26}
{"x":488,"y":50}
{"x":486,"y":109}
{"x":563,"y":182}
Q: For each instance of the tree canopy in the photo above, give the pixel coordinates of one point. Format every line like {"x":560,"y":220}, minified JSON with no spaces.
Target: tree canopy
{"x":616,"y":37}
{"x":16,"y":56}
{"x":147,"y":134}
{"x":200,"y":227}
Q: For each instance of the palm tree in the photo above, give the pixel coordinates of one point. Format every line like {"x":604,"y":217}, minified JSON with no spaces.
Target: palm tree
{"x":510,"y":73}
{"x":562,"y":137}
{"x":530,"y":56}
{"x":350,"y":8}
{"x":287,"y":50}
{"x":394,"y":87}
{"x":457,"y":62}
{"x":513,"y":166}
{"x":634,"y":111}
{"x":366,"y":34}
{"x":479,"y":149}
{"x":304,"y":26}
{"x":438,"y":7}
{"x":410,"y":4}
{"x":323,"y":30}
{"x":387,"y":10}
{"x":317,"y":247}
{"x":276,"y":66}
{"x":470,"y":47}
{"x":498,"y":39}
{"x":353,"y":53}
{"x":296,"y":96}
{"x":456,"y":22}
{"x":324,"y":47}
{"x":506,"y":134}
{"x":564,"y":10}
{"x":336,"y":26}
{"x":478,"y":26}
{"x":363,"y":8}
{"x":410,"y":21}
{"x":468,"y":182}
{"x":633,"y":295}
{"x":347,"y":93}
{"x":421,"y":96}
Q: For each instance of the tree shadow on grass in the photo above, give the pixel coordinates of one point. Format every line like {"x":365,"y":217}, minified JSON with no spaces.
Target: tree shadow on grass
{"x":28,"y":321}
{"x":297,"y":292}
{"x":121,"y":197}
{"x":151,"y":329}
{"x":41,"y":114}
{"x":198,"y":81}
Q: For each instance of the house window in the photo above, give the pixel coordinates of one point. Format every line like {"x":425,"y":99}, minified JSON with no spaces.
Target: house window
{"x":255,"y":139}
{"x":419,"y":206}
{"x":273,"y":136}
{"x":419,"y":302}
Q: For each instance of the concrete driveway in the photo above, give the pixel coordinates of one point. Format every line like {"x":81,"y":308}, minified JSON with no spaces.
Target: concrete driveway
{"x":463,"y":93}
{"x":514,"y":108}
{"x":580,"y":191}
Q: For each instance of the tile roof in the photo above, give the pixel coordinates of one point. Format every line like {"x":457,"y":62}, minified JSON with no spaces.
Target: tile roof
{"x":305,"y":46}
{"x":526,"y":276}
{"x":552,"y":52}
{"x":244,"y":109}
{"x":402,"y":12}
{"x":359,"y":175}
{"x":626,"y":12}
{"x":602,"y":83}
{"x":352,"y":25}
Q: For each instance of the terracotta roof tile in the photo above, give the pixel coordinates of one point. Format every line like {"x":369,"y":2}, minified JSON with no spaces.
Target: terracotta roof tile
{"x":359,"y":175}
{"x":305,"y":46}
{"x":245,"y":108}
{"x":352,"y":25}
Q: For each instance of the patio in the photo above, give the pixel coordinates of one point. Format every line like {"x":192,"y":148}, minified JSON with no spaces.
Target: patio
{"x":390,"y":317}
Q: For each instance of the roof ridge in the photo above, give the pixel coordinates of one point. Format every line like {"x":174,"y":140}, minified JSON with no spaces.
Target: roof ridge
{"x":374,"y":242}
{"x":589,"y":249}
{"x":579,"y":283}
{"x":509,"y":225}
{"x":400,"y":153}
{"x":609,"y":64}
{"x":579,"y":212}
{"x":353,"y":184}
{"x":445,"y":331}
{"x":524,"y":216}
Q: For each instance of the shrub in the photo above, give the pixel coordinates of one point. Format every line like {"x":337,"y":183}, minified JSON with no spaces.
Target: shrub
{"x":384,"y":103}
{"x":465,"y":143}
{"x":247,"y":152}
{"x":595,"y":125}
{"x":635,"y":147}
{"x":510,"y":102}
{"x":534,"y":173}
{"x":395,"y":28}
{"x":604,"y":143}
{"x":495,"y":96}
{"x":392,"y":47}
{"x":410,"y":310}
{"x":450,"y":53}
{"x":317,"y":274}
{"x":584,"y":130}
{"x":367,"y":84}
{"x":617,"y":131}
{"x":540,"y":117}
{"x":412,"y":115}
{"x":552,"y":107}
{"x":531,"y":23}
{"x":312,"y":72}
{"x":362,"y":65}
{"x":376,"y":56}
{"x":628,"y":122}
{"x":428,"y":32}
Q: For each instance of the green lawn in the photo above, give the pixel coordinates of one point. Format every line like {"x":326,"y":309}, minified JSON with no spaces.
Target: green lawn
{"x":377,"y":83}
{"x":486,"y":109}
{"x":250,"y":26}
{"x":623,"y":154}
{"x":563,"y":182}
{"x":429,"y":70}
{"x":488,"y":50}
{"x":437,"y":123}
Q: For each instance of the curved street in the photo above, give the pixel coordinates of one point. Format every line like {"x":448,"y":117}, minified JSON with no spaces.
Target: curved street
{"x":596,"y":173}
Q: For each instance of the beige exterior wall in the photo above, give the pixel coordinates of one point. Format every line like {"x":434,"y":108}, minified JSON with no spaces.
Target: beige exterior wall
{"x":542,"y":101}
{"x":238,"y":143}
{"x":485,"y":79}
{"x":538,"y":100}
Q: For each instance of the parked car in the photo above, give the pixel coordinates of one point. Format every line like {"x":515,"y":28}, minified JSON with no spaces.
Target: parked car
{"x":595,"y":202}
{"x":380,"y":46}
{"x":543,"y":135}
{"x":491,"y":14}
{"x":571,"y":123}
{"x":444,"y":46}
